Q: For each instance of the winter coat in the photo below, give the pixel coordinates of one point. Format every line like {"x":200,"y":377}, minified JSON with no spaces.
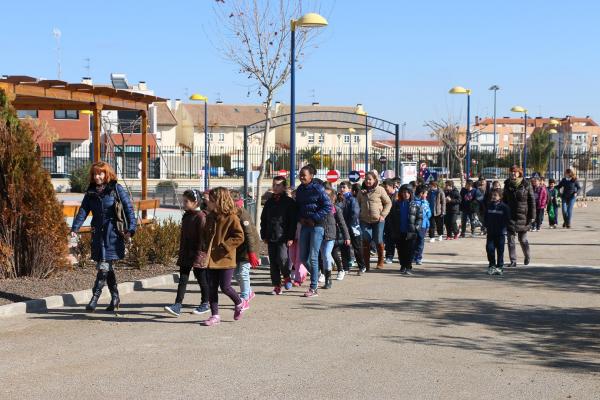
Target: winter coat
{"x":570,"y":188}
{"x":313,"y":203}
{"x":220,"y":239}
{"x":251,"y":239}
{"x":278,"y":219}
{"x":469,"y":200}
{"x":341,"y":229}
{"x":374,"y":204}
{"x":553,"y":198}
{"x":497,"y":217}
{"x":107,"y":243}
{"x":521,"y":203}
{"x":452,"y":205}
{"x":190,"y":240}
{"x":351,"y":210}
{"x":425,"y":212}
{"x":541,"y":197}
{"x":437,"y":202}
{"x":414,"y":219}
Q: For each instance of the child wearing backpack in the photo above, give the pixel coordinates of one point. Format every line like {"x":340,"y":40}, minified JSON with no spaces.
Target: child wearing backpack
{"x":421,"y":230}
{"x":190,"y":245}
{"x":553,"y":204}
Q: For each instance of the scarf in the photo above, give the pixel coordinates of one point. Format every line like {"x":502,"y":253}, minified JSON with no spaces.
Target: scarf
{"x":516,"y":182}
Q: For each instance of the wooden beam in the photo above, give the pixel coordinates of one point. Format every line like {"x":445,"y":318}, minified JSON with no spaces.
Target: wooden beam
{"x":144,"y":157}
{"x":97,"y":108}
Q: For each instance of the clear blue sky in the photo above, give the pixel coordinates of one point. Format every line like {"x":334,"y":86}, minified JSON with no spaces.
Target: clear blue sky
{"x":398,"y":58}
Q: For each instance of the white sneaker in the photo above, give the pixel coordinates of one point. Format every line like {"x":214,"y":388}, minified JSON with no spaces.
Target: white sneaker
{"x":441,"y":238}
{"x":321,"y":278}
{"x":389,"y":261}
{"x":432,"y":240}
{"x":341,"y":274}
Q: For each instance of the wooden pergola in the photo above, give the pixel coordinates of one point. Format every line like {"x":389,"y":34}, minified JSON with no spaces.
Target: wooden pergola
{"x":28,"y":93}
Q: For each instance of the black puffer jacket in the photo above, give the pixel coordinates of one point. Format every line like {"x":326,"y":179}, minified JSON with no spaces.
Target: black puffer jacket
{"x":278,"y":219}
{"x":452,"y":205}
{"x":521,"y":202}
{"x":342,"y":234}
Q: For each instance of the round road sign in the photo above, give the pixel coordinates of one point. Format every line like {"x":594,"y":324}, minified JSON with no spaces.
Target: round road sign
{"x":333,"y":176}
{"x":354,"y":176}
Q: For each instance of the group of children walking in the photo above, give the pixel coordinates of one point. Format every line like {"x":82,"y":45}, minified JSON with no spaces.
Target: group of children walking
{"x":314,"y":228}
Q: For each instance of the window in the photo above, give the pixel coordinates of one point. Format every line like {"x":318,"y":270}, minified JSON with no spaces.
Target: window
{"x":356,"y":139}
{"x":311,"y":138}
{"x":595,"y":140}
{"x":346,"y":138}
{"x":66,"y":114}
{"x":221,"y":137}
{"x":27,"y":113}
{"x":210,"y":137}
{"x":129,"y":121}
{"x":321,"y":138}
{"x":506,"y":139}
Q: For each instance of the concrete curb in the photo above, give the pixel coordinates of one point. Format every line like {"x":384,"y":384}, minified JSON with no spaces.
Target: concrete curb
{"x":82,"y":297}
{"x":521,"y":266}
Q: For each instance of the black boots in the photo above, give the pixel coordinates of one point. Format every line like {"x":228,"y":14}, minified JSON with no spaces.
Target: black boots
{"x":114,"y":292}
{"x":327,"y":280}
{"x":101,"y":277}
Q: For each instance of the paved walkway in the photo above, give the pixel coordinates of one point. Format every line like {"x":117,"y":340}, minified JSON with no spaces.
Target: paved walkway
{"x":448,"y":332}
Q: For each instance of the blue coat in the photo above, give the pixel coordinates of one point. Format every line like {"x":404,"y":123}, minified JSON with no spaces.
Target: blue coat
{"x":313,"y":203}
{"x":107,"y":243}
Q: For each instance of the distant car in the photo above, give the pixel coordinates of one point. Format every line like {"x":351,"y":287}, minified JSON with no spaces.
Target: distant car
{"x":235,"y":172}
{"x":59,"y":175}
{"x":440,"y":171}
{"x":494,"y":173}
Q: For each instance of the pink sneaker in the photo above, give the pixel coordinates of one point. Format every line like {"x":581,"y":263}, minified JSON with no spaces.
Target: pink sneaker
{"x":276,"y":291}
{"x":245,"y":304}
{"x":311,"y":293}
{"x":239,"y":309}
{"x":251,"y":296}
{"x":213,"y":320}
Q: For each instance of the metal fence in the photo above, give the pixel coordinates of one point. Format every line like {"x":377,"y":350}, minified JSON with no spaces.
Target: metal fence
{"x":225,"y":162}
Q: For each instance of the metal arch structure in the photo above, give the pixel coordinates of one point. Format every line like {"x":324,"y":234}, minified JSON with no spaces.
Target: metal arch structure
{"x":350,"y":118}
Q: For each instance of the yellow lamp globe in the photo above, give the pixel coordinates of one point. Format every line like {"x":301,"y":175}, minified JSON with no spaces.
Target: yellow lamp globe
{"x":311,"y":20}
{"x":198,"y":97}
{"x":459,"y":90}
{"x":518,"y":109}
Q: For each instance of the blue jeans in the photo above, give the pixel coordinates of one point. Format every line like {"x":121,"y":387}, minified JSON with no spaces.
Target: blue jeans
{"x":567,"y":210}
{"x":242,"y":274}
{"x":326,"y":257}
{"x":372,"y":232}
{"x":310,"y":239}
{"x":495,"y":245}
{"x":419,"y":244}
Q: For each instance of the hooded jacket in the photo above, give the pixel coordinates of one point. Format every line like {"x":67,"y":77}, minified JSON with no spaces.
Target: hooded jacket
{"x":521,"y":202}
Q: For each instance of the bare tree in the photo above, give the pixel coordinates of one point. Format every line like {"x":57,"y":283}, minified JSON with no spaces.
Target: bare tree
{"x":448,"y":133}
{"x":255,"y":36}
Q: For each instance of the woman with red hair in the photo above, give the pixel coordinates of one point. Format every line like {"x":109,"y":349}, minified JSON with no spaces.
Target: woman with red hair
{"x":108,"y":242}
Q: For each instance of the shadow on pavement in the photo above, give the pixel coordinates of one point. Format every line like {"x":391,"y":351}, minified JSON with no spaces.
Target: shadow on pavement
{"x":565,"y":338}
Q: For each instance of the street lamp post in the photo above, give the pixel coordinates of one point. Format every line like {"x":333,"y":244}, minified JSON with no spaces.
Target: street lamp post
{"x":462,"y":90}
{"x":351,"y":132}
{"x":310,"y":20}
{"x":553,"y":131}
{"x":519,"y":109}
{"x":495,"y":88}
{"x":199,"y":97}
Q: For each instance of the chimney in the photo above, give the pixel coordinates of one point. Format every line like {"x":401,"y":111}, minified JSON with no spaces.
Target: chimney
{"x":86,"y":80}
{"x":169,"y":104}
{"x":219,"y":101}
{"x":177,"y":103}
{"x":477,"y":120}
{"x":315,"y":103}
{"x":142,"y":85}
{"x":277,"y":106}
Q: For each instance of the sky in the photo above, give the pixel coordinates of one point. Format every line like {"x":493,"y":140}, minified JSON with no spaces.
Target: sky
{"x":398,"y":58}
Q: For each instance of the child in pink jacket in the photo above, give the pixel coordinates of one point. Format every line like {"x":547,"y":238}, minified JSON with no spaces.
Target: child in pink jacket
{"x":541,"y":201}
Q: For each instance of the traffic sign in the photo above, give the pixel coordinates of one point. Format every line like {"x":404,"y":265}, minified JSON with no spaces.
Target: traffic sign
{"x":354,"y":176}
{"x":362,"y":174}
{"x":333,"y":176}
{"x":282,"y":172}
{"x":383,"y":159}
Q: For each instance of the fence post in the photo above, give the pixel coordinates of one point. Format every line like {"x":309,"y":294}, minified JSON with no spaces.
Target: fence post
{"x":245,"y":163}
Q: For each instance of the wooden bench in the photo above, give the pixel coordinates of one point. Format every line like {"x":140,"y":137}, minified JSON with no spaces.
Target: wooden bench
{"x":142,"y":207}
{"x":70,"y":211}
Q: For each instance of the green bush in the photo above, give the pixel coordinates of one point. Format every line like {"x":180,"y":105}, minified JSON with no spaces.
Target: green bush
{"x":80,"y":179}
{"x":156,"y":243}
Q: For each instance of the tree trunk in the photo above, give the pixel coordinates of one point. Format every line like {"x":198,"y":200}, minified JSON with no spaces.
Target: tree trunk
{"x":263,"y":163}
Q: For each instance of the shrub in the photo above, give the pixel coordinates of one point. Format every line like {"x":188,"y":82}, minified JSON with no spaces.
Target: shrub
{"x":82,"y":250}
{"x":139,"y":248}
{"x":156,"y":243}
{"x":79,"y":179}
{"x":33,"y":232}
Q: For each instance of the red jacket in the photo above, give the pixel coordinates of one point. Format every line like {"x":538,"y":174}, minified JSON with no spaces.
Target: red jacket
{"x":541,"y":193}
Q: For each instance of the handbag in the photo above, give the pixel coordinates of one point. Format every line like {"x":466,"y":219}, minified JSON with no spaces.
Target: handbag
{"x":122,"y":221}
{"x":299,"y":273}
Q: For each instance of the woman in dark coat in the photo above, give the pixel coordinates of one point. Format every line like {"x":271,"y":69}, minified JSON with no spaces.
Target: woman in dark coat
{"x":518,"y":195}
{"x":108,"y":244}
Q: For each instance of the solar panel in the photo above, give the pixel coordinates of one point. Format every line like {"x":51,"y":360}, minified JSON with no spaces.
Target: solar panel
{"x":119,"y":81}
